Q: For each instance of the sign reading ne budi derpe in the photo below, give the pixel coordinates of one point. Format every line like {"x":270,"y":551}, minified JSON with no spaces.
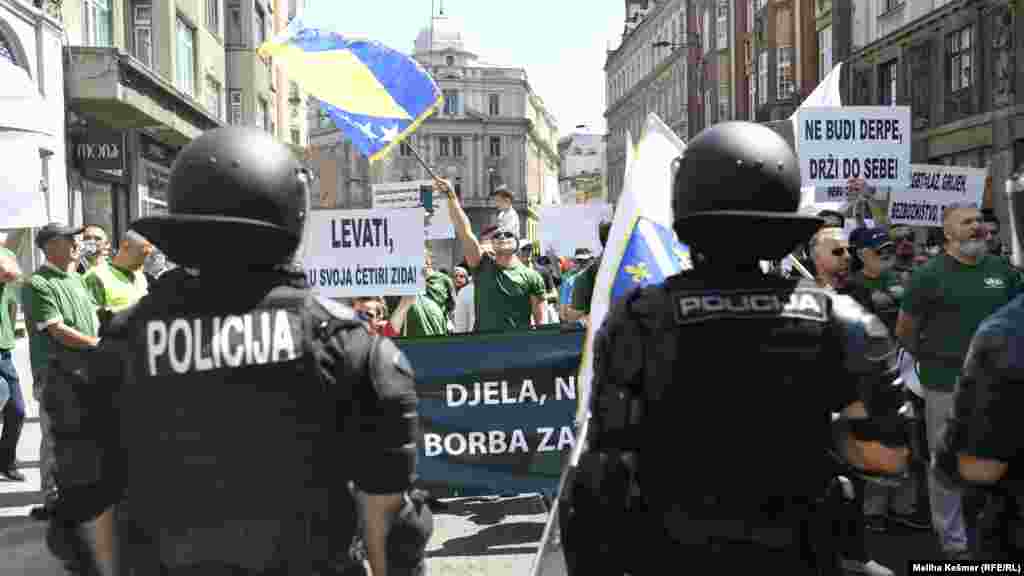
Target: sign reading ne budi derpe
{"x":364,"y":252}
{"x":867,"y":142}
{"x":932,"y":188}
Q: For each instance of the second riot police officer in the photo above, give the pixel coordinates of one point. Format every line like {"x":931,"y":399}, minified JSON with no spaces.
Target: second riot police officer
{"x":713,"y":392}
{"x":240,"y":406}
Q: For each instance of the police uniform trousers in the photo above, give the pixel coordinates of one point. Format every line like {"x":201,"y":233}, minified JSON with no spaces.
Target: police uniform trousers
{"x":648,"y":549}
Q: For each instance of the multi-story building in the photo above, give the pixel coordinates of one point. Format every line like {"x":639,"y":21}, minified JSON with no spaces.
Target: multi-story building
{"x":781,"y":61}
{"x":144,"y":78}
{"x":958,"y":66}
{"x":493,"y":129}
{"x":647,"y":72}
{"x":31,"y":38}
{"x":581,"y":174}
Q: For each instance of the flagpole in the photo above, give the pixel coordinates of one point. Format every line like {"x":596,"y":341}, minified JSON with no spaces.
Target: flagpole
{"x":423,"y":163}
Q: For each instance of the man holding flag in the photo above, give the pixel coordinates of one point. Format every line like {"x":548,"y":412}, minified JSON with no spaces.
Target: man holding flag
{"x":764,"y":342}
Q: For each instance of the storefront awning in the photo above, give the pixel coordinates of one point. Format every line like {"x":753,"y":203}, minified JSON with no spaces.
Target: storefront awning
{"x":23,"y":203}
{"x":21,"y":106}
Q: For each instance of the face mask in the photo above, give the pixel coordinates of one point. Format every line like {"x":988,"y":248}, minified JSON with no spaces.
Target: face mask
{"x":88,"y":248}
{"x":973,"y":248}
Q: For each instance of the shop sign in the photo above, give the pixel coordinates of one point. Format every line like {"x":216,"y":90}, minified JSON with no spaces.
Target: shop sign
{"x":98,"y":150}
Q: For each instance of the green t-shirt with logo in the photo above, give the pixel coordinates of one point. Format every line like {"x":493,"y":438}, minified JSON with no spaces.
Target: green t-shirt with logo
{"x":949,"y":299}
{"x":53,"y":294}
{"x":503,"y":295}
{"x":425,"y":318}
{"x":7,"y":297}
{"x":583,"y":289}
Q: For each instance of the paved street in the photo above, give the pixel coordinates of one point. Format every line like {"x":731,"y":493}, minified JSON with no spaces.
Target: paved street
{"x":475,"y":536}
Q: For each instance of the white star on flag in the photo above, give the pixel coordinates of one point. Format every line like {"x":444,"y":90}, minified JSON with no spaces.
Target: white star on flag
{"x":389,"y":133}
{"x":367,"y":129}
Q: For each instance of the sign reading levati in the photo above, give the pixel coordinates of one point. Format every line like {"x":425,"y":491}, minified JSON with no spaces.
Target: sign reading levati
{"x":870,"y":142}
{"x":417,"y":195}
{"x":932,"y":188}
{"x":364,"y":252}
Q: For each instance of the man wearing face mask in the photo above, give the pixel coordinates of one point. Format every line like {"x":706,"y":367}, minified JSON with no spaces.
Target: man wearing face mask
{"x":95,"y":248}
{"x":945,"y":302}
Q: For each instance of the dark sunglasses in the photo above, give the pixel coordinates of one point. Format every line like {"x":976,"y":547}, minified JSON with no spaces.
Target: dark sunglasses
{"x":504,"y":236}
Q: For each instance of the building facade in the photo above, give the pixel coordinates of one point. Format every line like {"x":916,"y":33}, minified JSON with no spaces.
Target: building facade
{"x":31,"y":38}
{"x":958,"y":65}
{"x":581,"y":173}
{"x":493,"y":129}
{"x":144,"y":78}
{"x":649,"y":71}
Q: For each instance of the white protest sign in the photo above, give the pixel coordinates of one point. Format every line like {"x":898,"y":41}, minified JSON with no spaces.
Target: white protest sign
{"x":395,"y":195}
{"x":869,"y":142}
{"x":932,"y":188}
{"x":568,"y":227}
{"x":364,"y":252}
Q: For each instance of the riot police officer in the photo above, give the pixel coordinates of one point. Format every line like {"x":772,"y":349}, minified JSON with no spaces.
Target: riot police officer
{"x":236,"y":406}
{"x":983,"y":442}
{"x":711,"y":404}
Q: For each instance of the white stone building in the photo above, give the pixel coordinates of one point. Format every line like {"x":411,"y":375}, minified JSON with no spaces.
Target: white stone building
{"x":582,"y":172}
{"x":494,"y":129}
{"x":32,"y":55}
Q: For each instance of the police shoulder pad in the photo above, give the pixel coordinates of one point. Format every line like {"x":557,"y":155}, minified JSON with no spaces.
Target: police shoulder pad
{"x":390,"y":370}
{"x":336,"y":310}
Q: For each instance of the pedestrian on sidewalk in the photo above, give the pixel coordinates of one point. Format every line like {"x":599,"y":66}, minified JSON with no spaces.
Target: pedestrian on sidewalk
{"x":11,"y":398}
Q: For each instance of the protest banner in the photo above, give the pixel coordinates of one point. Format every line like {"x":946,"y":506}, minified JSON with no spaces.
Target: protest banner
{"x":932,"y":188}
{"x":869,"y":142}
{"x":566,"y":228}
{"x":496,"y":409}
{"x":364,"y":252}
{"x":410,"y":195}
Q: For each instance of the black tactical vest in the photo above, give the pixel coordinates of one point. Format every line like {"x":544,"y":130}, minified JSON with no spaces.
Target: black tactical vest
{"x":229,"y":454}
{"x":736,"y":377}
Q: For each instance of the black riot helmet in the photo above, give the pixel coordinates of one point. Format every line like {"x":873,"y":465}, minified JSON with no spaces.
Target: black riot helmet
{"x":736,"y":193}
{"x":236,"y":198}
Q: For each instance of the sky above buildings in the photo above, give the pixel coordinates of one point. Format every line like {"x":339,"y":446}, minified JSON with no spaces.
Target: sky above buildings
{"x":560,"y":43}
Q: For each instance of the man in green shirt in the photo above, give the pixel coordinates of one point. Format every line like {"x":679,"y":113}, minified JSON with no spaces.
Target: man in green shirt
{"x":509,"y":295}
{"x":121,"y":283}
{"x":878,"y":282}
{"x":946,"y":300}
{"x":59,"y":313}
{"x":11,"y":398}
{"x":583,"y":289}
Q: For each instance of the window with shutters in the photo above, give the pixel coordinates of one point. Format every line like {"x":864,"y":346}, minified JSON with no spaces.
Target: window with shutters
{"x":495,"y":146}
{"x":451,"y":102}
{"x":784,"y":72}
{"x":97,"y":23}
{"x":443,"y":146}
{"x":494,"y":104}
{"x":213,"y":16}
{"x":959,"y":59}
{"x":142,"y":32}
{"x":235,"y":97}
{"x":762,"y":78}
{"x":722,"y":24}
{"x":214,"y":98}
{"x":235,"y":31}
{"x":457,"y":146}
{"x":185,"y":57}
{"x":824,"y":52}
{"x":887,"y":83}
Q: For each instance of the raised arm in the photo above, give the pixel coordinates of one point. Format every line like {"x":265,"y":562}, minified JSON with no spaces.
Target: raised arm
{"x":470,"y":243}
